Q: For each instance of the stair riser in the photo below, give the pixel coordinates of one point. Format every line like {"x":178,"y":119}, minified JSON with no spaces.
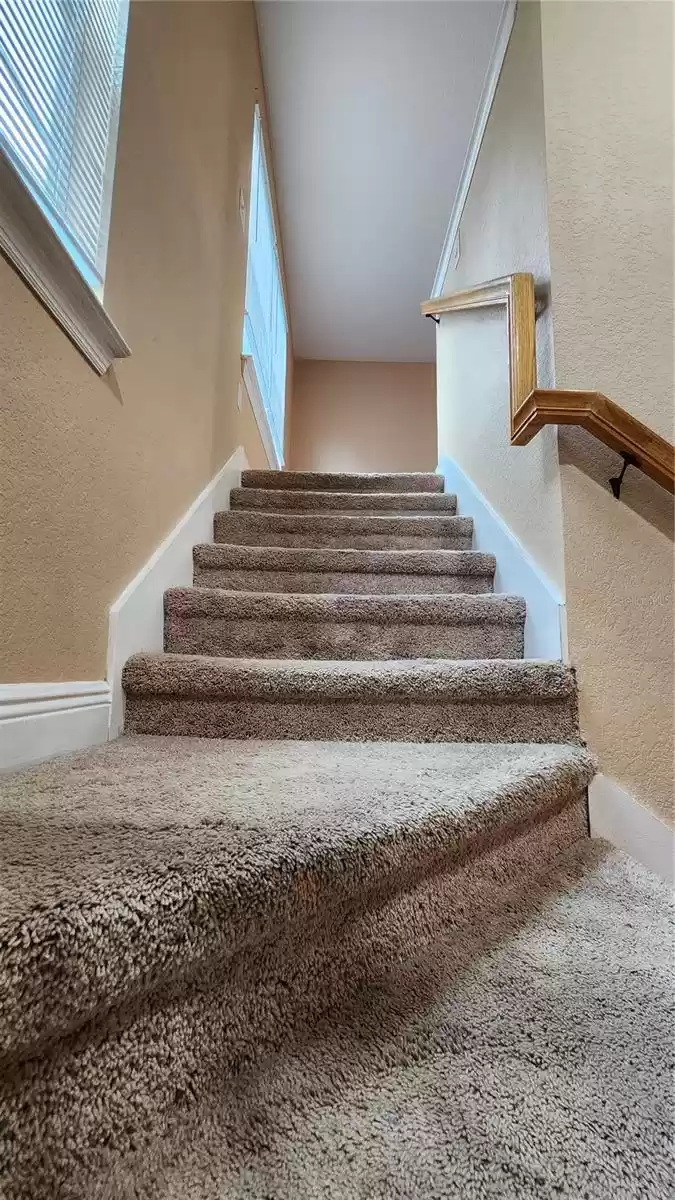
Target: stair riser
{"x":345,"y":583}
{"x":268,"y":500}
{"x":341,"y":541}
{"x":359,"y":721}
{"x":333,"y":640}
{"x":174,"y":1061}
{"x":342,"y":532}
{"x":363,"y":541}
{"x":318,"y":481}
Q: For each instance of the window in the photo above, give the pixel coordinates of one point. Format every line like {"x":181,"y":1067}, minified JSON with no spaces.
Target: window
{"x":265,"y":318}
{"x":60,"y":83}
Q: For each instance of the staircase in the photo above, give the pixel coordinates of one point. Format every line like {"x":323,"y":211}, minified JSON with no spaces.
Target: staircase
{"x":336,"y":586}
{"x":335,"y":929}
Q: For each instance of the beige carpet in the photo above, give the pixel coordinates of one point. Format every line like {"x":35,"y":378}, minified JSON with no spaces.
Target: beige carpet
{"x":534,"y":1059}
{"x":367,"y":951}
{"x":276,"y":969}
{"x":410,"y":482}
{"x":306,"y":500}
{"x":221,"y":839}
{"x":247,"y":624}
{"x":417,"y":700}
{"x":332,"y":608}
{"x":360,"y":572}
{"x":346,"y":530}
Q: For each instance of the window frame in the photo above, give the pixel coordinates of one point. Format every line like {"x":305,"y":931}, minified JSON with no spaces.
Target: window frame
{"x":33,"y":247}
{"x":252,"y":382}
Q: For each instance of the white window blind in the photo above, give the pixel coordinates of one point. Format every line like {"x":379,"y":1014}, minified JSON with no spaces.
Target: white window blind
{"x":265,"y":333}
{"x":60,"y":83}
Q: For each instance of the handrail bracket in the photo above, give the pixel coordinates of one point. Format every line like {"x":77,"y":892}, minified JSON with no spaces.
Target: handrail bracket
{"x":615,"y":482}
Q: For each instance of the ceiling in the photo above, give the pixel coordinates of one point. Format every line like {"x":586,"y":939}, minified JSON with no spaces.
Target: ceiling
{"x":371,"y":110}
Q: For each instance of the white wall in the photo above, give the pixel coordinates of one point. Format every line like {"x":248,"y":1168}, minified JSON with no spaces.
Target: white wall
{"x":504,"y":228}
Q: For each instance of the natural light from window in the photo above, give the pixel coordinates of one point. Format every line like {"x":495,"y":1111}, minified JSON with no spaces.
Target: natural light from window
{"x":265,"y":333}
{"x":60,"y":84}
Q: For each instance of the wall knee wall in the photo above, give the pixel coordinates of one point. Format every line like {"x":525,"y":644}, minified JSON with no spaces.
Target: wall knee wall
{"x":504,"y":228}
{"x":96,"y":472}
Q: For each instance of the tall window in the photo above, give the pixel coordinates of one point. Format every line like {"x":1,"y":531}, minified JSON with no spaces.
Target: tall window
{"x":60,"y":82}
{"x":265,"y":332}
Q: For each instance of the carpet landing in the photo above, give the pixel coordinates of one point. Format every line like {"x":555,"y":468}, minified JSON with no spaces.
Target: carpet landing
{"x":355,"y":942}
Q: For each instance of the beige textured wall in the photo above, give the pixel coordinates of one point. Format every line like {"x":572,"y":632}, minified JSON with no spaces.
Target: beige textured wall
{"x":504,"y":229}
{"x":95,"y":472}
{"x":608,"y":80}
{"x":363,"y":416}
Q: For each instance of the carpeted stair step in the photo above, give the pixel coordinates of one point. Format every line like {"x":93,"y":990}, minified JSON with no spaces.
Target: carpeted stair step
{"x":286,"y":500}
{"x":519,"y":1050}
{"x":344,"y":481}
{"x":340,"y":530}
{"x":291,"y":569}
{"x":223,"y":964}
{"x":247,"y":624}
{"x":415,"y":700}
{"x":131,"y":868}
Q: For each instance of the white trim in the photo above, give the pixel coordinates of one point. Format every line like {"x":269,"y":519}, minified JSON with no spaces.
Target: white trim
{"x":39,"y":720}
{"x":501,"y":42}
{"x":619,"y":818}
{"x":43,"y":697}
{"x":255,"y":397}
{"x":31,"y":245}
{"x":517,"y":573}
{"x":137,"y":616}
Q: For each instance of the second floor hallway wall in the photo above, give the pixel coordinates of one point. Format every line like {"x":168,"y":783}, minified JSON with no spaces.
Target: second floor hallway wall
{"x":363,"y":416}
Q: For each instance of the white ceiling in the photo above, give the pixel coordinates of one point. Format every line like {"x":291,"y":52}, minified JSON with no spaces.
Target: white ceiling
{"x":371,"y":110}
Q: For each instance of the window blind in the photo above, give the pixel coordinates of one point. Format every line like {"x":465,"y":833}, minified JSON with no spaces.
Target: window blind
{"x":60,"y":83}
{"x":265,"y":333}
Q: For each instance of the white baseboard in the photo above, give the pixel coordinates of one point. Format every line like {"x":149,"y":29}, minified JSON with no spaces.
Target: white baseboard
{"x":618,"y":817}
{"x":39,"y":720}
{"x":517,"y":574}
{"x":137,"y":616}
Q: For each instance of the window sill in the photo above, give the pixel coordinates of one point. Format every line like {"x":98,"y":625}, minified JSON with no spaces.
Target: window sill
{"x":251,"y":384}
{"x":29,"y":242}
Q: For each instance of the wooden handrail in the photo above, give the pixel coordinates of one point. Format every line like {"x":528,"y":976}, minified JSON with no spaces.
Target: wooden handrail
{"x":531,"y":407}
